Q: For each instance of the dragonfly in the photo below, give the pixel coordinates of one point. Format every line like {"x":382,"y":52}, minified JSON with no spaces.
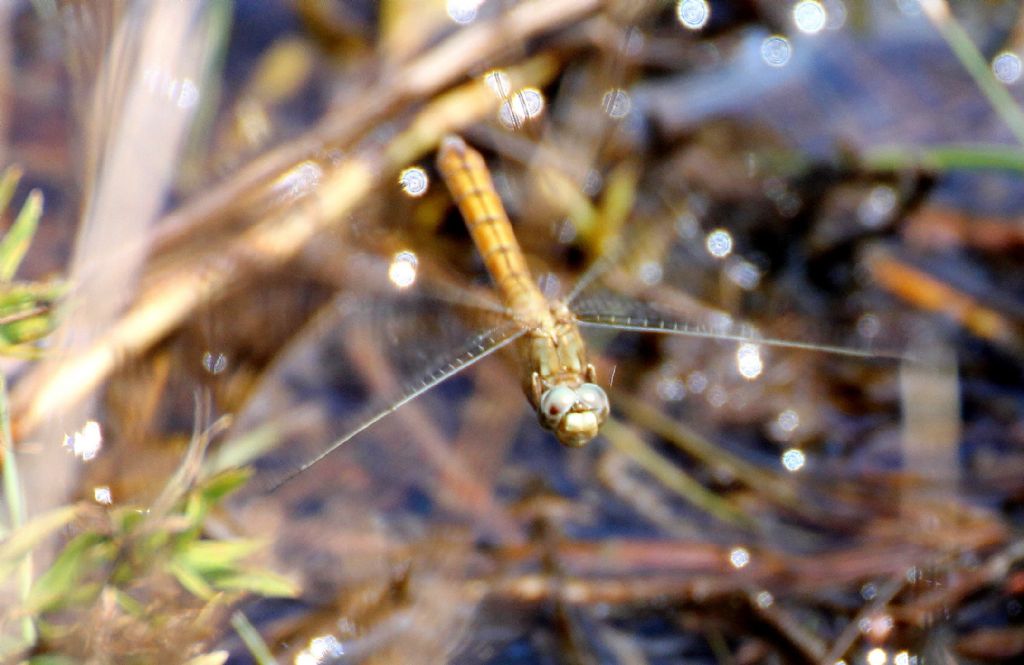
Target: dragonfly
{"x":557,"y":378}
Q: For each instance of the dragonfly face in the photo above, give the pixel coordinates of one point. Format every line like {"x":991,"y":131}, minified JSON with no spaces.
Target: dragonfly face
{"x":574,"y":414}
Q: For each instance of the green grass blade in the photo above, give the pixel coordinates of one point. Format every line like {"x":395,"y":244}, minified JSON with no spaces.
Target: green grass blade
{"x":217,"y":556}
{"x":15,"y":243}
{"x":8,"y":183}
{"x":261,"y":582}
{"x":26,"y":538}
{"x":62,"y":584}
{"x":240,"y":450}
{"x":27,"y":312}
{"x":944,"y":158}
{"x":253,"y":642}
{"x":224,"y":483}
{"x":20,"y":556}
{"x":190,"y":579}
{"x":12,"y":483}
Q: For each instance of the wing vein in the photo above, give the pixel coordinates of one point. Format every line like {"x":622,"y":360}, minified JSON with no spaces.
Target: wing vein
{"x":484,"y":344}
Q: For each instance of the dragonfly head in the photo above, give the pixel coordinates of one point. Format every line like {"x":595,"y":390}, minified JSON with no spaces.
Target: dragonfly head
{"x":574,"y":414}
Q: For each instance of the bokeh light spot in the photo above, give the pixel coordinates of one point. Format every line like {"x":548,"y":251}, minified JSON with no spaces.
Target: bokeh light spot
{"x":793,"y":459}
{"x":748,"y":361}
{"x":739,"y":557}
{"x":463,"y":12}
{"x":85,"y":444}
{"x":402,"y":271}
{"x":1007,"y":67}
{"x":719,"y":243}
{"x":809,"y":16}
{"x":414,"y":181}
{"x":693,"y":14}
{"x":520,"y":107}
{"x":776,"y":51}
{"x":616,"y":103}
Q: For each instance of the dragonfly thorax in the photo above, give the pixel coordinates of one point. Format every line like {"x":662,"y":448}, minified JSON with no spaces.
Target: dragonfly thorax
{"x":559,"y":380}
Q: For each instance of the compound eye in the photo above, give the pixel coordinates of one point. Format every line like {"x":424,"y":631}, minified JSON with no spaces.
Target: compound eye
{"x":594,"y":397}
{"x":556,"y":402}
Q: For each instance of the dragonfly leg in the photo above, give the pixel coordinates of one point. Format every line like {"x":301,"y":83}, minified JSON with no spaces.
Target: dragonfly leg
{"x":537,"y":387}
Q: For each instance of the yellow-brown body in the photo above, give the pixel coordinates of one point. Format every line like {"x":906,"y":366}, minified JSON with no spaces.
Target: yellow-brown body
{"x":552,"y":353}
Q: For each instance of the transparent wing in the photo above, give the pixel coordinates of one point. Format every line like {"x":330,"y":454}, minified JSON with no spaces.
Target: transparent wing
{"x":421,"y":368}
{"x":617,"y":312}
{"x":672,"y":275}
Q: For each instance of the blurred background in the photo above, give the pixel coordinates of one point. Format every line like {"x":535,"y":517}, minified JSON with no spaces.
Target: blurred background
{"x":241,"y":253}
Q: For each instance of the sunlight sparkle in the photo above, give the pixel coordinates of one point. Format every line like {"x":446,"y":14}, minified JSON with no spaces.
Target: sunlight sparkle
{"x":717,"y":396}
{"x":788,"y":420}
{"x":651,"y":273}
{"x":214,"y":363}
{"x":497,"y":80}
{"x":299,"y":180}
{"x":693,"y":14}
{"x":739,"y":557}
{"x":321,"y":649}
{"x":809,"y":16}
{"x":463,"y":12}
{"x":521,"y":106}
{"x":793,"y":459}
{"x":743,"y":274}
{"x":85,"y":444}
{"x":878,"y":207}
{"x":183,"y":93}
{"x":402,"y":271}
{"x":616,"y":103}
{"x":1007,"y":67}
{"x":671,"y":389}
{"x":414,"y":181}
{"x":776,"y":51}
{"x":877,"y":656}
{"x":904,"y":658}
{"x":719,"y":243}
{"x":102,"y":495}
{"x":748,"y":361}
